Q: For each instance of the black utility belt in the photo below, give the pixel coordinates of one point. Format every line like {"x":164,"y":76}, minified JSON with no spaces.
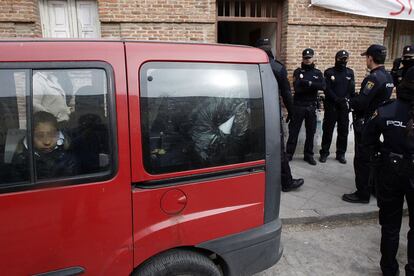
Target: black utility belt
{"x":398,"y":158}
{"x":303,"y":103}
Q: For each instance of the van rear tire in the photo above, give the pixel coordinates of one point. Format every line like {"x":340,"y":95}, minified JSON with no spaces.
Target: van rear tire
{"x":178,"y":263}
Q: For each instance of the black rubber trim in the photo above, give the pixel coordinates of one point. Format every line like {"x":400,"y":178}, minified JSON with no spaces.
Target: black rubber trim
{"x":71,"y":271}
{"x":251,"y":251}
{"x":79,"y":179}
{"x":152,"y":184}
{"x":272,"y":126}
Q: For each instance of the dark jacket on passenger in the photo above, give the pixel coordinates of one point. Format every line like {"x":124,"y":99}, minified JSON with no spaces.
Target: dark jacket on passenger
{"x":57,"y":163}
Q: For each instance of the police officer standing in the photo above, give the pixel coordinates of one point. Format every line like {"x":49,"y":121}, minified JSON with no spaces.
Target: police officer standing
{"x":340,"y":87}
{"x":307,"y":81}
{"x":407,"y":61}
{"x":280,"y":73}
{"x":375,"y":89}
{"x":394,"y":121}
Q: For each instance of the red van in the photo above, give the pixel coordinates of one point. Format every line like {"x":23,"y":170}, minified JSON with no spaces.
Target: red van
{"x":140,"y":158}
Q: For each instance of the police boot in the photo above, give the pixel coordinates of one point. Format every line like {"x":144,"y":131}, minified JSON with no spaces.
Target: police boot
{"x":323,"y":158}
{"x":310,"y":160}
{"x":341,"y":158}
{"x":296,"y":183}
{"x":355,"y":198}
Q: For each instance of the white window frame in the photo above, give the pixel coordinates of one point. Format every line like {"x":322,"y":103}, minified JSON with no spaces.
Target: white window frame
{"x":73,"y":19}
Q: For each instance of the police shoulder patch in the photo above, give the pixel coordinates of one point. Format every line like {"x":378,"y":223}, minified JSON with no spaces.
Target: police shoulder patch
{"x":369,"y":85}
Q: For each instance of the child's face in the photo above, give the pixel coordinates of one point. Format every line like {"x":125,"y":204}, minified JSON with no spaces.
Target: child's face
{"x":45,"y":137}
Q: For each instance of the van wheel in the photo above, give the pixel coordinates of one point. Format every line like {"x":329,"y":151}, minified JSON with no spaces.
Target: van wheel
{"x":178,"y":263}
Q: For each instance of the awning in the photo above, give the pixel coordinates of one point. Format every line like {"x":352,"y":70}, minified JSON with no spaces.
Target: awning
{"x":393,"y":9}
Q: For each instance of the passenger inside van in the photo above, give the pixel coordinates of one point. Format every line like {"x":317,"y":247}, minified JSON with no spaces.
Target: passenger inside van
{"x":51,"y":150}
{"x":89,"y":131}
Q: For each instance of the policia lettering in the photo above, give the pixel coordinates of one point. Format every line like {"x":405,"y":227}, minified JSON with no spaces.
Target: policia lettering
{"x":340,"y":87}
{"x":375,"y":89}
{"x":307,"y":81}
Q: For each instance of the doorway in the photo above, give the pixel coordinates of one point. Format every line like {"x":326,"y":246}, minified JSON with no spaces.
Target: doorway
{"x":246,"y":33}
{"x":244,"y":22}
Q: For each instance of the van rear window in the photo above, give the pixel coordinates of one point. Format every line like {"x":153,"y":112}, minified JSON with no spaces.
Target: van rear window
{"x":198,"y":115}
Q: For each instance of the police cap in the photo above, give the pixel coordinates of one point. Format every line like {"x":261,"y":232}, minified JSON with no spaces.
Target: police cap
{"x":308,"y":53}
{"x":375,"y":50}
{"x":342,"y":54}
{"x":408,"y":51}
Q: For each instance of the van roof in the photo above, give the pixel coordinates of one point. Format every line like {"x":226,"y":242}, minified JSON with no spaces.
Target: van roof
{"x":235,"y":53}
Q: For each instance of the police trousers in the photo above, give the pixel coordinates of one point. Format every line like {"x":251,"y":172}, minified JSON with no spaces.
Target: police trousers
{"x":334,"y":115}
{"x":392,"y":186}
{"x":362,"y":167}
{"x":286,"y":174}
{"x":302,"y":112}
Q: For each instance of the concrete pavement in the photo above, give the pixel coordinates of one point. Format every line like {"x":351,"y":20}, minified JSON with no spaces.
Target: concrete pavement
{"x":320,"y":197}
{"x":343,"y":249}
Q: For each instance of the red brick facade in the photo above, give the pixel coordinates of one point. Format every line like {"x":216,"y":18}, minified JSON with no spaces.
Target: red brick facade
{"x":195,"y":20}
{"x":327,"y":32}
{"x":19,"y":18}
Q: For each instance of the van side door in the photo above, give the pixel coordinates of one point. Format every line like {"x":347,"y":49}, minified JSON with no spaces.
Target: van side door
{"x":197,"y":145}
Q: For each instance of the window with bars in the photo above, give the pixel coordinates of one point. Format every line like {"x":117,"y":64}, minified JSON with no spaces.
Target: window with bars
{"x":255,"y":9}
{"x":398,"y":34}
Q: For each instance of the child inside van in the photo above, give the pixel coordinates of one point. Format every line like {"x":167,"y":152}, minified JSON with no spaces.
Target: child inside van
{"x":51,"y":150}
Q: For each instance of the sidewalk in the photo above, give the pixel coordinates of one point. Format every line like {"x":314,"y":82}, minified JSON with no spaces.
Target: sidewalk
{"x":320,"y":197}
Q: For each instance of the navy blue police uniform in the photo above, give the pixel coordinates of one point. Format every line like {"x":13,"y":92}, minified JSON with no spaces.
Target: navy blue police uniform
{"x":340,"y":87}
{"x":280,"y":73}
{"x":307,"y":81}
{"x":375,"y":89}
{"x":402,"y":64}
{"x":395,"y":156}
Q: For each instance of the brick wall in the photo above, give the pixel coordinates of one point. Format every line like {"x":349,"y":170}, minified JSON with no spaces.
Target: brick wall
{"x":169,"y":20}
{"x":327,"y":32}
{"x":19,"y":18}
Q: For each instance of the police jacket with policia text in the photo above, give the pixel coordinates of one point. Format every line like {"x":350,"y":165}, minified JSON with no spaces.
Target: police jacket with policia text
{"x":340,"y":84}
{"x":390,"y":120}
{"x":307,"y":81}
{"x":375,"y":89}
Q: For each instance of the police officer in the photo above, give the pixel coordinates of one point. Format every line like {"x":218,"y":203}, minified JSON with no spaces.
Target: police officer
{"x":375,"y":89}
{"x":279,"y":70}
{"x":307,"y":81}
{"x":407,"y":61}
{"x":340,"y":87}
{"x":394,"y":121}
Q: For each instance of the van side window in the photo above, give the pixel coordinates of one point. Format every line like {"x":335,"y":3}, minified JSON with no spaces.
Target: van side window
{"x":62,"y":130}
{"x":197,"y":115}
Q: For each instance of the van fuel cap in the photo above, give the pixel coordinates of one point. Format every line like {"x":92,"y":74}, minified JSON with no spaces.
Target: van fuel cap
{"x":173,"y":201}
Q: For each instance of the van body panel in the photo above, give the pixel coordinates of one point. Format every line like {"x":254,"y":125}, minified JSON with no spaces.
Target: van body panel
{"x":81,"y":225}
{"x":214,"y":209}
